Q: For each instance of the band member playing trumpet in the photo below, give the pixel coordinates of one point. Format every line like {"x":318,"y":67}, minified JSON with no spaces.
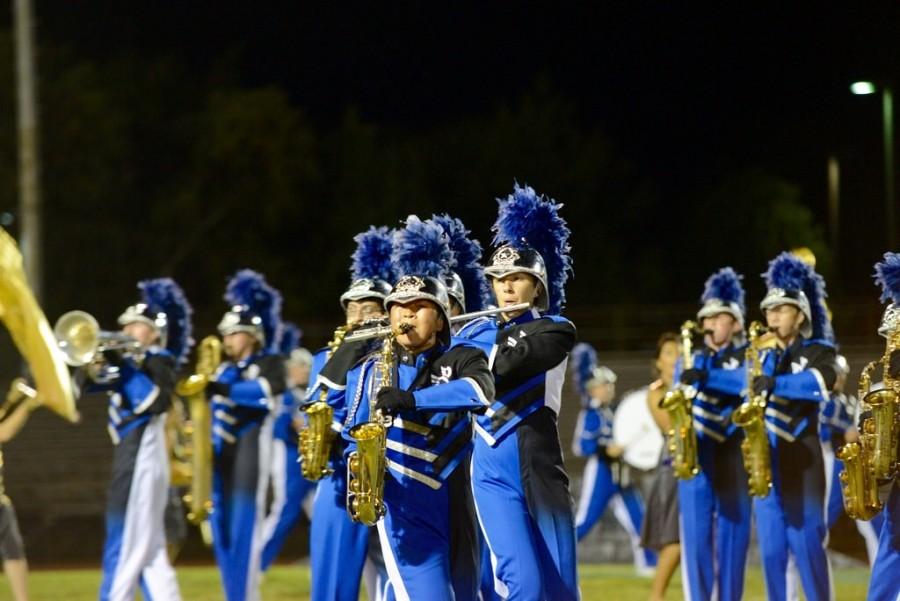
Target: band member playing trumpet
{"x":140,"y":384}
{"x":338,"y":547}
{"x":435,"y":383}
{"x":884,"y":584}
{"x":715,"y":504}
{"x":520,"y":486}
{"x":244,"y":395}
{"x":797,"y":375}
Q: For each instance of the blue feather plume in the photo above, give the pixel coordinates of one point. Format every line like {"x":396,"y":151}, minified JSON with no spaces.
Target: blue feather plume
{"x":372,"y":257}
{"x":887,"y":275}
{"x":422,"y":248}
{"x":725,"y":285}
{"x":249,"y":288}
{"x":163,"y":295}
{"x":790,"y":273}
{"x":291,"y":335}
{"x":467,"y":255}
{"x":528,"y":219}
{"x":582,"y":361}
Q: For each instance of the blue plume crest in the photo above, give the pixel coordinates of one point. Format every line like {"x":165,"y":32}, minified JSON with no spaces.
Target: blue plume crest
{"x":467,"y":254}
{"x":372,"y":257}
{"x":291,"y":335}
{"x":525,"y":218}
{"x":250,"y":289}
{"x":163,"y":295}
{"x":422,"y":248}
{"x":582,"y":362}
{"x":791,"y":273}
{"x":887,"y":275}
{"x":725,"y":285}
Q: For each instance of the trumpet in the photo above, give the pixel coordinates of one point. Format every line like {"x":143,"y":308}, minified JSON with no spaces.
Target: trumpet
{"x":81,"y":340}
{"x":385,"y":330}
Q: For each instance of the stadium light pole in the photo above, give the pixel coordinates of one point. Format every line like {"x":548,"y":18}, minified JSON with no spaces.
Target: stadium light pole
{"x":863,"y":88}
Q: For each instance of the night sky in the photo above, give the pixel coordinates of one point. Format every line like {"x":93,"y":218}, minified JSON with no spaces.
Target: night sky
{"x":685,"y":94}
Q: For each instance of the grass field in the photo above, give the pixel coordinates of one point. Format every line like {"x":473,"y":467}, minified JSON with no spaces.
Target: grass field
{"x":291,"y":583}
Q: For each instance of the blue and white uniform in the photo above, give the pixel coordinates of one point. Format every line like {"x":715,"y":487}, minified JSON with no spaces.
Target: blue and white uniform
{"x":290,"y":490}
{"x":424,"y":447}
{"x":715,"y":504}
{"x":520,"y":486}
{"x":242,"y":446}
{"x":884,"y":584}
{"x":790,"y":521}
{"x":606,"y":480}
{"x":134,"y":552}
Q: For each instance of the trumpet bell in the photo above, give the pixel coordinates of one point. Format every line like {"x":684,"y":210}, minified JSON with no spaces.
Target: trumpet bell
{"x":78,"y":334}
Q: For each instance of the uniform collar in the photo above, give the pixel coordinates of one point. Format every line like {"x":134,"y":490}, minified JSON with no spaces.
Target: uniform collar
{"x":405,"y":357}
{"x":243,"y":363}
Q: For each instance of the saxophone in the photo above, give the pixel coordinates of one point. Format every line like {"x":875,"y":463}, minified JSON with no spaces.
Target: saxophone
{"x":366,"y":466}
{"x":751,"y":417}
{"x":314,"y":441}
{"x":682,"y":436}
{"x":198,"y":432}
{"x":874,"y":457}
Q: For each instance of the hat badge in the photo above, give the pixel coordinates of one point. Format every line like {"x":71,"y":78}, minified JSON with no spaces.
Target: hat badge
{"x":506,"y":256}
{"x":410,"y":283}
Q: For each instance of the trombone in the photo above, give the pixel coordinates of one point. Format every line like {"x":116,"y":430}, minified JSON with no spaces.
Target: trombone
{"x":81,"y":340}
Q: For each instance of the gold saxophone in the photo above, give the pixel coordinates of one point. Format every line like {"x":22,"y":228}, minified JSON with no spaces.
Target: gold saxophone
{"x":314,"y":441}
{"x":874,"y":457}
{"x":751,"y":417}
{"x":198,"y":433}
{"x":682,"y":436}
{"x":366,"y":466}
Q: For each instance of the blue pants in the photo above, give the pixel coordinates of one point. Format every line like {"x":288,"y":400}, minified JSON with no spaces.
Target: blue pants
{"x":337,"y":545}
{"x":715,"y":523}
{"x":885,"y":582}
{"x":290,"y":490}
{"x":240,"y":482}
{"x":415,"y":541}
{"x":790,"y":521}
{"x":525,"y":511}
{"x":598,"y":488}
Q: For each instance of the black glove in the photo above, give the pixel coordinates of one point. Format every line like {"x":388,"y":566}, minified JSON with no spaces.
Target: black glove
{"x":393,"y":400}
{"x":218,"y":388}
{"x":114,"y":357}
{"x":763,"y":384}
{"x":694,"y":377}
{"x":894,"y":364}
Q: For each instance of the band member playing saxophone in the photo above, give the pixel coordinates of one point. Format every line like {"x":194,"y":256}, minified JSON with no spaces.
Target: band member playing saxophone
{"x":428,"y":383}
{"x":797,"y":375}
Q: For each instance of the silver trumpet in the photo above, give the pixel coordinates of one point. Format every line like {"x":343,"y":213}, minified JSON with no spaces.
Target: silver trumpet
{"x":383,"y":331}
{"x":80,"y":339}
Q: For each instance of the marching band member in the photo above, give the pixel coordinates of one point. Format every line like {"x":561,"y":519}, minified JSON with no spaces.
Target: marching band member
{"x":338,"y":547}
{"x":140,"y":388}
{"x":469,"y":291}
{"x":606,"y":477}
{"x":797,"y":376}
{"x":520,"y":486}
{"x":244,"y":393}
{"x":435,"y":383}
{"x":715,"y":504}
{"x":884,"y":584}
{"x":291,"y":492}
{"x":660,"y":531}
